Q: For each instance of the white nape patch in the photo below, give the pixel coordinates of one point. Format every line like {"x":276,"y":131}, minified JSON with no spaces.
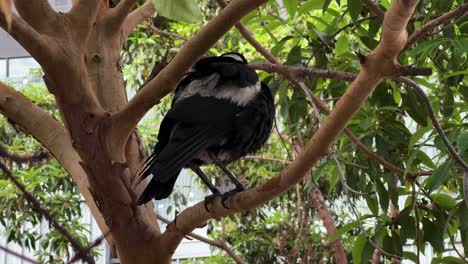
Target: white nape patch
{"x":203,"y":86}
{"x":234,"y":56}
{"x":239,"y":96}
{"x":207,"y":87}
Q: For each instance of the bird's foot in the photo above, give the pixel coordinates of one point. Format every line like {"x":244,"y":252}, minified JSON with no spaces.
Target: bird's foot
{"x":226,"y":195}
{"x":209,"y":199}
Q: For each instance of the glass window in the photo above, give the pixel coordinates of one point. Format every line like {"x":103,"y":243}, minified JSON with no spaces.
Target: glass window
{"x":2,"y":68}
{"x":20,"y":67}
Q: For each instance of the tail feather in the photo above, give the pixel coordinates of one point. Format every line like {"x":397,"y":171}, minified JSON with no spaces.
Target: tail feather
{"x":166,"y":165}
{"x":157,"y":190}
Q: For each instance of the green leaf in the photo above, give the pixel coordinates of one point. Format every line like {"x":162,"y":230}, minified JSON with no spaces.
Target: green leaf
{"x":433,"y":233}
{"x":463,"y":226}
{"x":294,"y":56}
{"x":444,"y":200}
{"x":291,"y":7}
{"x":358,"y":247}
{"x":452,"y":260}
{"x":462,"y":143}
{"x":448,"y":102}
{"x":418,"y":135}
{"x":181,"y":10}
{"x":342,"y":230}
{"x":354,"y":7}
{"x":424,"y":158}
{"x":392,"y":244}
{"x":342,"y":45}
{"x":311,"y":5}
{"x":411,"y":256}
{"x":373,"y":203}
{"x":439,"y":176}
{"x":415,"y":107}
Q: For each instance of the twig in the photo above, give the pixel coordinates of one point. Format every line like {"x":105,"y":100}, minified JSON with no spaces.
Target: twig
{"x":262,"y":158}
{"x":287,"y":71}
{"x":376,"y":256}
{"x":36,"y":157}
{"x":165,"y":33}
{"x":20,"y":256}
{"x":44,"y":212}
{"x":374,"y":8}
{"x":425,"y":30}
{"x":94,"y":244}
{"x":452,"y":239}
{"x":416,"y":214}
{"x":453,"y":153}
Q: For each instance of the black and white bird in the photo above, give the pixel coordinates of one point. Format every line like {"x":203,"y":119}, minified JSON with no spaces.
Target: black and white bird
{"x":221,"y":112}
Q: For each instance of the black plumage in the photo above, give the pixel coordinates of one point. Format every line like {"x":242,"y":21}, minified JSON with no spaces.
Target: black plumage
{"x":220,"y":113}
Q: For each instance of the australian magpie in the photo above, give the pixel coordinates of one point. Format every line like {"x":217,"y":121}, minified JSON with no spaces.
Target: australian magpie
{"x":220,"y":113}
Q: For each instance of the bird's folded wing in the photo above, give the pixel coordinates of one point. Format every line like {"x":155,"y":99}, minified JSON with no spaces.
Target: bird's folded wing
{"x":198,"y":109}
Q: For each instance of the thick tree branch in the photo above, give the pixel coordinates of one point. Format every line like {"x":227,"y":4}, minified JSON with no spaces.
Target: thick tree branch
{"x":221,"y":244}
{"x":378,"y":65}
{"x":374,"y":8}
{"x":297,"y":72}
{"x":122,"y":10}
{"x":38,"y":13}
{"x":328,"y":222}
{"x":52,"y":135}
{"x":136,"y":17}
{"x":35,"y":44}
{"x":126,"y":120}
{"x":427,"y":29}
{"x":83,"y":15}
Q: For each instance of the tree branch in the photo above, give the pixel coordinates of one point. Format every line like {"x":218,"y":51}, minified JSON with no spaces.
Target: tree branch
{"x":76,"y":245}
{"x":378,"y":64}
{"x":221,"y":244}
{"x":122,"y":10}
{"x":35,"y":44}
{"x":19,"y":159}
{"x":426,"y":30}
{"x":83,"y":15}
{"x":374,"y":8}
{"x":262,"y":158}
{"x":38,"y":13}
{"x":296,"y":72}
{"x":291,"y":73}
{"x":136,"y":17}
{"x":327,"y":219}
{"x":165,"y":33}
{"x":53,"y":136}
{"x":123,"y":123}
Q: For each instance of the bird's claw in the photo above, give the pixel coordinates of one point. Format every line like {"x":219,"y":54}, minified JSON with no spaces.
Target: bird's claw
{"x":209,"y":199}
{"x":226,"y":195}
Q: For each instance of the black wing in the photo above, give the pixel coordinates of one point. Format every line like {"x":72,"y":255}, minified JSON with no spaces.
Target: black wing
{"x":191,"y":126}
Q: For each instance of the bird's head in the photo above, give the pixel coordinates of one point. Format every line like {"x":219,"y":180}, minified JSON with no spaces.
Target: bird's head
{"x":234,"y":55}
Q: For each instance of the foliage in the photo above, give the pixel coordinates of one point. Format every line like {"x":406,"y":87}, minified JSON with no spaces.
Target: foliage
{"x":394,"y":123}
{"x":50,"y":184}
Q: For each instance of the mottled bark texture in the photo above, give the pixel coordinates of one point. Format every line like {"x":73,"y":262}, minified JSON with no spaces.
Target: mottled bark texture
{"x":79,"y":53}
